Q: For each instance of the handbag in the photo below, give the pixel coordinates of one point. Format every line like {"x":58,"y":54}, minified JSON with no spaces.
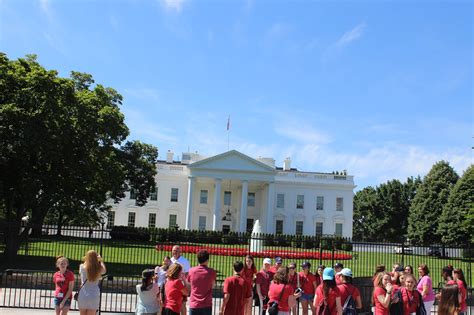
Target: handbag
{"x":76,"y":295}
{"x":273,"y":307}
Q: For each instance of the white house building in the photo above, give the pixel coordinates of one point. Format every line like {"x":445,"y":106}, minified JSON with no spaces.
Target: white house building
{"x":231,"y":190}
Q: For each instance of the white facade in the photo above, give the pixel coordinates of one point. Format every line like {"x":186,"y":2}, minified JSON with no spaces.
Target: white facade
{"x":208,"y":190}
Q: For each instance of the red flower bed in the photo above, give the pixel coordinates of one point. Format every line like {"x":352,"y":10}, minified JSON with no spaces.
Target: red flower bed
{"x":242,"y":252}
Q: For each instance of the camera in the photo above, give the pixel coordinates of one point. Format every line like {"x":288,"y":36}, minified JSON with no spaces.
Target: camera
{"x":298,"y":290}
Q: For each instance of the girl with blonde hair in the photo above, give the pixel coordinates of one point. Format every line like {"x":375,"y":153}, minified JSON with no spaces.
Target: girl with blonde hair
{"x":64,"y":282}
{"x":89,"y":294}
{"x":176,"y":288}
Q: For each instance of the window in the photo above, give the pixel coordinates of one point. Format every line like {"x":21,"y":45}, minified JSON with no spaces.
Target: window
{"x":249,"y":225}
{"x":202,"y":222}
{"x":174,"y":194}
{"x":300,"y":202}
{"x":279,"y":227}
{"x":299,"y":228}
{"x":280,"y":200}
{"x":251,"y":199}
{"x":133,"y":195}
{"x":173,"y":219}
{"x":319,"y":228}
{"x":203,"y":197}
{"x":131,"y":219}
{"x":154,"y":194}
{"x":152,"y":220}
{"x":110,"y":219}
{"x":338,"y":229}
{"x":227,"y":198}
{"x":319,"y":203}
{"x":339,"y":204}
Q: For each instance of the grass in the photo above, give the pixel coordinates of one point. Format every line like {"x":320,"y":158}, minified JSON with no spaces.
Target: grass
{"x":132,"y":257}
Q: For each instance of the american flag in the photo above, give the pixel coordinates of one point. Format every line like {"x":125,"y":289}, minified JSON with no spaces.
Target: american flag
{"x":228,"y":123}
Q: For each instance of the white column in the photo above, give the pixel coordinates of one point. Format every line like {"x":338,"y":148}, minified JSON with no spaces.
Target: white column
{"x":243,"y":206}
{"x":189,"y":208}
{"x":270,"y":206}
{"x":217,"y":205}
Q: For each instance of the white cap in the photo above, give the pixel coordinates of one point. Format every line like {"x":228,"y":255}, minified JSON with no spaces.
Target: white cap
{"x":267,"y":261}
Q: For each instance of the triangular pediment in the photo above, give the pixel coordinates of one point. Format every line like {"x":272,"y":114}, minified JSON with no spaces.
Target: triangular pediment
{"x":232,"y":161}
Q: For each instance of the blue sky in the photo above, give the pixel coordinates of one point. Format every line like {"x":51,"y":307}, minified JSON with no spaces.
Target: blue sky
{"x":380,"y":88}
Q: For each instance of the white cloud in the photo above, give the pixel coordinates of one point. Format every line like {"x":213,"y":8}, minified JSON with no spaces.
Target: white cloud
{"x":351,"y":35}
{"x":174,"y":5}
{"x":45,"y":6}
{"x":142,"y":93}
{"x":301,"y":132}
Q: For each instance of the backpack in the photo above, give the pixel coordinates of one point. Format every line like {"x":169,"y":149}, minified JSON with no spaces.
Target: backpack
{"x":349,"y":307}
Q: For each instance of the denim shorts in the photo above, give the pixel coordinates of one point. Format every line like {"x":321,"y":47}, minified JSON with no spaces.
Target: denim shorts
{"x":306,"y":297}
{"x":57,"y":302}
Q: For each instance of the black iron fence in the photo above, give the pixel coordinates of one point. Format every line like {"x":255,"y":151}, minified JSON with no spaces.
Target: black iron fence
{"x":127,"y":252}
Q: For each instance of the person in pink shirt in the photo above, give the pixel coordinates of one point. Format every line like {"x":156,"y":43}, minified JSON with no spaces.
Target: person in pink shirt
{"x":202,"y":280}
{"x":425,"y":287}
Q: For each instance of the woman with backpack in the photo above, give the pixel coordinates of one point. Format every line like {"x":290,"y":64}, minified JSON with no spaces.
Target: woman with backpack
{"x":327,"y":300}
{"x":346,"y":288}
{"x":411,"y":299}
{"x":282,"y":292}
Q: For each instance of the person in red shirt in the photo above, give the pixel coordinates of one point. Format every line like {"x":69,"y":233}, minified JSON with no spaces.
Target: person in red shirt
{"x":410,"y":296}
{"x":202,"y":280}
{"x":293,"y":281}
{"x":282,"y":293}
{"x":176,"y":288}
{"x":319,"y":273}
{"x":262,"y":284}
{"x":64,"y":282}
{"x":276,"y":266}
{"x":328,"y":293}
{"x":382,"y":293}
{"x":237,"y":292}
{"x":449,"y":300}
{"x":346,"y":288}
{"x":309,"y":283}
{"x":337,"y":268}
{"x":248,"y":273}
{"x":460,"y":281}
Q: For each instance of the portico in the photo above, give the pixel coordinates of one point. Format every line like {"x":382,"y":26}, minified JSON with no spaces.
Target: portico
{"x":232,"y":177}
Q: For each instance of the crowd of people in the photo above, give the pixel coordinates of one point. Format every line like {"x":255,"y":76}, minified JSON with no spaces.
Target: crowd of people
{"x":275,"y":289}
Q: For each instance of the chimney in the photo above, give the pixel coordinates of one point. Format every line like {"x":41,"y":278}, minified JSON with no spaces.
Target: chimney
{"x":287,"y":164}
{"x":169,"y":157}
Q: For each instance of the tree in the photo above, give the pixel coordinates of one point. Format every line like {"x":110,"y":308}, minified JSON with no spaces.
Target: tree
{"x":452,"y":223}
{"x":367,"y":219}
{"x":428,"y":203}
{"x":381,"y":214}
{"x":62,"y":147}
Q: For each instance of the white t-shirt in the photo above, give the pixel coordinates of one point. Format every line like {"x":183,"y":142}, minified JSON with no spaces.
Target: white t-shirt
{"x":183,"y":262}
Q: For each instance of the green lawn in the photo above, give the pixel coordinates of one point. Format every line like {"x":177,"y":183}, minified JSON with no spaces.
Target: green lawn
{"x":131,"y":258}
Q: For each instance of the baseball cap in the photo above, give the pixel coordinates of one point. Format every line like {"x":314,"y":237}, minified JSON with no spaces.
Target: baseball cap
{"x":278,"y":260}
{"x":306,"y":264}
{"x":345,"y":272}
{"x":267,"y":261}
{"x":328,"y":274}
{"x":338,"y":265}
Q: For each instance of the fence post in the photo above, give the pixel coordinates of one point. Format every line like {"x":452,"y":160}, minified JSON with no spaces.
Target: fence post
{"x":332,"y":251}
{"x":402,"y":262}
{"x":101,"y":237}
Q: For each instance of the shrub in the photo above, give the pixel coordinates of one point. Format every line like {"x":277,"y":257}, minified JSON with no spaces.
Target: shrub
{"x":129,"y":233}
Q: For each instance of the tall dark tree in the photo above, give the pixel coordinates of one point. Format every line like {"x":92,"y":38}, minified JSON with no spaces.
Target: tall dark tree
{"x":427,"y":206}
{"x":62,"y":147}
{"x":452,"y":227}
{"x":367,"y":215}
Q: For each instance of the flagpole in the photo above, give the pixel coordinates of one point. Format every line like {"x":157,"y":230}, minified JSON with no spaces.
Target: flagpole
{"x":228,"y":132}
